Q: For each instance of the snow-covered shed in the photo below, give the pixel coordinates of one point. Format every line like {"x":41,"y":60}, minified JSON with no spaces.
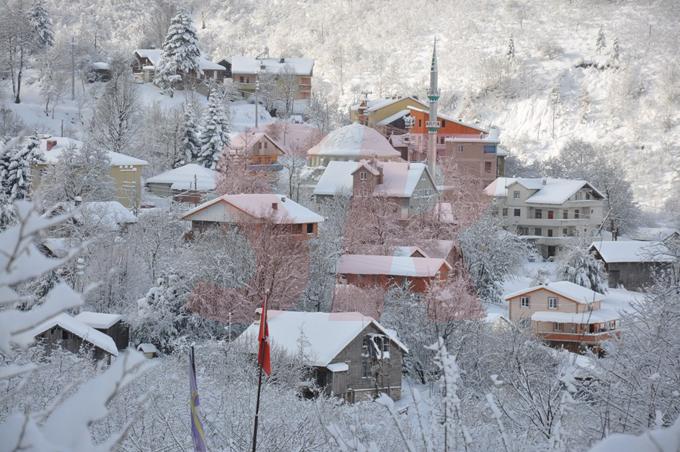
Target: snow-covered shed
{"x":109,"y":324}
{"x":249,"y":209}
{"x":632,"y":263}
{"x":352,"y":142}
{"x":352,"y":355}
{"x":179,"y":182}
{"x":104,"y":215}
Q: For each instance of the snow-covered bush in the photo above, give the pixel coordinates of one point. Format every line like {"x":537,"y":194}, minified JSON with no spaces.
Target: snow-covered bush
{"x":581,"y":267}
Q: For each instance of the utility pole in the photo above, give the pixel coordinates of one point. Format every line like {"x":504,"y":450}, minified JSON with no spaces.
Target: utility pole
{"x":73,"y":68}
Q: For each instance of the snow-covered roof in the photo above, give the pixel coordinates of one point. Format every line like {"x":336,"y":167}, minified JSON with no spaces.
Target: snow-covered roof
{"x":547,"y":189}
{"x":471,"y":139}
{"x":248,"y":65}
{"x":390,"y":119}
{"x":154,"y":55}
{"x":632,"y":251}
{"x":242,"y":116}
{"x":101,"y":65}
{"x":437,"y":248}
{"x":399,"y":178}
{"x":146,"y":347}
{"x":567,"y":289}
{"x":408,"y":251}
{"x":449,"y":118}
{"x":377,"y":104}
{"x":246,"y":139}
{"x":63,"y":143}
{"x":595,"y":316}
{"x":325,"y":334}
{"x":355,"y":141}
{"x":260,"y":206}
{"x":109,"y":214}
{"x":80,"y":329}
{"x":338,"y":367}
{"x":98,"y":320}
{"x":58,"y":246}
{"x":187,"y":177}
{"x":365,"y":264}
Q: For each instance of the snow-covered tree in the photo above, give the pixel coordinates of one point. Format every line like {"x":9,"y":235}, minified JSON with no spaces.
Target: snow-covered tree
{"x":510,"y":53}
{"x":191,"y":140}
{"x":18,"y":38}
{"x":215,"y":131}
{"x":601,"y":42}
{"x":616,"y":50}
{"x":16,"y":158}
{"x":42,"y":24}
{"x":7,"y":214}
{"x":580,"y":267}
{"x":161,"y":315}
{"x":180,"y":55}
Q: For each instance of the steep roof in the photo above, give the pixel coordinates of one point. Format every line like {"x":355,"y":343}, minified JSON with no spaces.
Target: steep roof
{"x":399,"y":178}
{"x":365,"y":264}
{"x":325,"y":334}
{"x":241,"y":64}
{"x":632,"y":251}
{"x":154,"y":55}
{"x":567,"y":289}
{"x":98,"y":320}
{"x":243,"y":140}
{"x":355,"y":141}
{"x":548,"y":190}
{"x":260,"y":206}
{"x":187,"y":177}
{"x":64,"y":143}
{"x":80,"y":329}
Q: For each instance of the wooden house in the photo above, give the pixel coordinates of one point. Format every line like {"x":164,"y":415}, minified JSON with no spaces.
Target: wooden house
{"x":249,"y":210}
{"x":260,"y":150}
{"x":190,"y":183}
{"x":145,"y":63}
{"x":564,"y":314}
{"x":364,"y":270}
{"x":126,"y":171}
{"x":110,"y":324}
{"x":632,"y":263}
{"x":349,"y":355}
{"x":73,"y":335}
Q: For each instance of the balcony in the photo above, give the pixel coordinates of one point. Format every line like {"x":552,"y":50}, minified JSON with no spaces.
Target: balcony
{"x":581,"y":338}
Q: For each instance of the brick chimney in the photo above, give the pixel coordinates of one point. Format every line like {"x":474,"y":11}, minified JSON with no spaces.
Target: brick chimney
{"x":363,"y":117}
{"x":51,"y":144}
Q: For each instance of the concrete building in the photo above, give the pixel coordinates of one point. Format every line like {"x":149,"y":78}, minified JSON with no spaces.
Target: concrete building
{"x":476,"y":157}
{"x":547,"y":211}
{"x":351,"y":356}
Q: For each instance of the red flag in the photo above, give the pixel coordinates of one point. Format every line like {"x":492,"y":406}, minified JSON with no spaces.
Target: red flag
{"x":263,"y":354}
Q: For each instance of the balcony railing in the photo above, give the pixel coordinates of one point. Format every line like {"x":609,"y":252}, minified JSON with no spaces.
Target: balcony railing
{"x":585,"y":338}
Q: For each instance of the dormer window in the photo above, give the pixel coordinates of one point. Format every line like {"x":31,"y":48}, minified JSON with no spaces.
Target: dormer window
{"x":515,"y":194}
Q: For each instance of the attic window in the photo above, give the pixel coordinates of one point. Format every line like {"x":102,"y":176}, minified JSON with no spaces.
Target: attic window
{"x":363,"y":175}
{"x":515,"y":195}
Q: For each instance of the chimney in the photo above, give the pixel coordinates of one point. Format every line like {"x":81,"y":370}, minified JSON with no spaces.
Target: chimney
{"x":275,"y":206}
{"x":363,"y":118}
{"x":51,"y":144}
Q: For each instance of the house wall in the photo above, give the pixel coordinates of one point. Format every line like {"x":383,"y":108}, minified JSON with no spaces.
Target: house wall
{"x":448,"y":128}
{"x":471,"y":160}
{"x":538,"y":301}
{"x":632,"y":275}
{"x":424,"y":195}
{"x":120,"y":333}
{"x":246,"y":82}
{"x":353,"y":386}
{"x":57,"y":336}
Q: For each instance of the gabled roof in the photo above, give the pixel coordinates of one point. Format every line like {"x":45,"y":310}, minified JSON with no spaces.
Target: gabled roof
{"x":187,"y":177}
{"x":399,"y":178}
{"x":324,"y":334}
{"x":260,"y":206}
{"x":99,"y":320}
{"x":64,"y":143}
{"x":365,"y":264}
{"x":241,"y":64}
{"x":104,"y":214}
{"x":547,"y":189}
{"x":408,"y":251}
{"x":80,"y":329}
{"x":355,"y":141}
{"x":242,"y":140}
{"x":377,"y":104}
{"x":154,"y":55}
{"x":450,"y":119}
{"x":567,"y":289}
{"x":632,"y":251}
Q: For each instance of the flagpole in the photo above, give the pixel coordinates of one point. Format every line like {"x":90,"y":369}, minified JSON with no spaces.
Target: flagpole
{"x":259,"y":377}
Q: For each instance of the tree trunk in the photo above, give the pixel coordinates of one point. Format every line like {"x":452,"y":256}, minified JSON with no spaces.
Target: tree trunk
{"x":17,"y":99}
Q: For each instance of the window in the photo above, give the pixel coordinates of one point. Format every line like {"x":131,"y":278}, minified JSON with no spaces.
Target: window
{"x":487,"y":167}
{"x":565,"y":232}
{"x":587,"y":195}
{"x":240,"y":79}
{"x":363,"y":175}
{"x":538,"y":213}
{"x":552,"y":303}
{"x":489,"y":148}
{"x":557,"y":327}
{"x":577,"y":214}
{"x":538,"y":231}
{"x":460,"y":148}
{"x":517,"y":212}
{"x":551,"y":214}
{"x":515,"y":195}
{"x":420,"y":123}
{"x":565,"y":214}
{"x":443,"y":122}
{"x":523,"y":230}
{"x":505,"y":211}
{"x":550,"y":232}
{"x":64,"y":335}
{"x":310,"y":228}
{"x":524,"y":302}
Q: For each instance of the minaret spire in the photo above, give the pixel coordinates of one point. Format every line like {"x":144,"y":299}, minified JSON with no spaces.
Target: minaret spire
{"x":433,"y":124}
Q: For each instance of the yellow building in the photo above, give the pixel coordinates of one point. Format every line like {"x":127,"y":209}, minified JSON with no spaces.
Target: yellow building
{"x":372,"y":112}
{"x":126,"y":171}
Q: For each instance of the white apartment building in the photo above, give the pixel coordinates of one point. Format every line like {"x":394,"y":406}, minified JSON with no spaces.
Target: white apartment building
{"x":547,"y":211}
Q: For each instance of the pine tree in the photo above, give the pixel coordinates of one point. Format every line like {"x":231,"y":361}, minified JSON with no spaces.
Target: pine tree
{"x":180,"y":53}
{"x":42,"y":24}
{"x":191,"y":140}
{"x":215,"y":131}
{"x":510,"y":54}
{"x":15,"y":167}
{"x":616,"y":50}
{"x":601,"y":42}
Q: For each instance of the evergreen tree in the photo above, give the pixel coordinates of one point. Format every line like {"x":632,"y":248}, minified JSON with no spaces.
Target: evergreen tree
{"x":191,"y":140}
{"x":581,"y":267}
{"x":616,"y":50}
{"x":215,"y":131}
{"x":180,"y":53}
{"x":601,"y":42}
{"x":15,"y":167}
{"x":510,"y":54}
{"x":42,"y":24}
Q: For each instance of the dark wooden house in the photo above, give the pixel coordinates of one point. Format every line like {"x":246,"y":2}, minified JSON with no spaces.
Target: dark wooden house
{"x":109,"y":324}
{"x":73,"y":335}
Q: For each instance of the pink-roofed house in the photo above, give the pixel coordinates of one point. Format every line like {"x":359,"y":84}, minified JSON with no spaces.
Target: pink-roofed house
{"x":259,"y":149}
{"x":250,"y":210}
{"x":564,"y":314}
{"x":363,"y":270}
{"x":352,"y":143}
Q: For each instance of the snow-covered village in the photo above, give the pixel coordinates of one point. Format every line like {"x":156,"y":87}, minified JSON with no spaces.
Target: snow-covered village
{"x":340,"y":225}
